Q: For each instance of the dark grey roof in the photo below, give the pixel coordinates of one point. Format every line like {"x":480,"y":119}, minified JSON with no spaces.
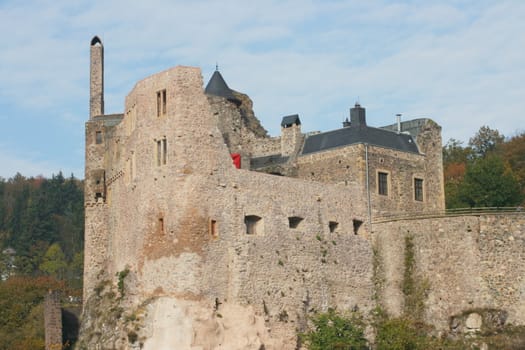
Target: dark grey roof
{"x":218,"y":87}
{"x":261,"y":162}
{"x":359,"y":134}
{"x":289,"y":120}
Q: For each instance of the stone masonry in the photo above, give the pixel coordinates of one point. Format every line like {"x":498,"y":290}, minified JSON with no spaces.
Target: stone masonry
{"x":216,"y":257}
{"x":53,"y":321}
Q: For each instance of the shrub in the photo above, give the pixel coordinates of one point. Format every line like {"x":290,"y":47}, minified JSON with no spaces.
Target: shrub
{"x":334,"y":331}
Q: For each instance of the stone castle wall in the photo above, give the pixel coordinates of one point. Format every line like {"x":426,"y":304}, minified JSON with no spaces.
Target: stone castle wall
{"x":469,"y":262}
{"x":228,"y":258}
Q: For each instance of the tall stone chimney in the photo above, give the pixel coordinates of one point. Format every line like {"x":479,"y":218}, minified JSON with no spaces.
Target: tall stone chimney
{"x":291,"y":136}
{"x":96,"y":75}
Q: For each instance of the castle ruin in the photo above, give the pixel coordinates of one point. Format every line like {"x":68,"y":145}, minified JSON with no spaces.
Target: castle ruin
{"x":218,"y":236}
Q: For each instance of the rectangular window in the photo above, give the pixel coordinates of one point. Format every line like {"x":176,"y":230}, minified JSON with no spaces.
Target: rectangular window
{"x":159,"y":152}
{"x":382,"y":183}
{"x":164,"y":150}
{"x":161,"y":103}
{"x":161,"y":225}
{"x":213,"y":228}
{"x":418,"y":189}
{"x":98,"y":137}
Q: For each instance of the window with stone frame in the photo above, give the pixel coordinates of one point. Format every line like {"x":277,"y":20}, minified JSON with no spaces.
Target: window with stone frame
{"x":161,"y":151}
{"x":382,"y":183}
{"x":161,"y":103}
{"x":418,"y":189}
{"x":98,"y":137}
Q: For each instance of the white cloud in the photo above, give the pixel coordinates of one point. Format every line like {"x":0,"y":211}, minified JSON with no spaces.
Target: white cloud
{"x":458,"y":62}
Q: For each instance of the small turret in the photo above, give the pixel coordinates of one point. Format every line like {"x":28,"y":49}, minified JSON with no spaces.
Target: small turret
{"x":96,"y":74}
{"x":218,"y":87}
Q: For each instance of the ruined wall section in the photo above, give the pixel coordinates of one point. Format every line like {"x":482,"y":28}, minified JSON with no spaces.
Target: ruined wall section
{"x":469,"y":262}
{"x":178,"y":216}
{"x":53,"y":321}
{"x":240,"y":128}
{"x":284,"y":271}
{"x":429,"y":142}
{"x":99,"y":133}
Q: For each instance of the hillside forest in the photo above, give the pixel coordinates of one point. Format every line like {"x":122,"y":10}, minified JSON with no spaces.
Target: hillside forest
{"x":41,"y":248}
{"x":42,"y":226}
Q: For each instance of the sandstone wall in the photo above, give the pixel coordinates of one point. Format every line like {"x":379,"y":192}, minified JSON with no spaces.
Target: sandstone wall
{"x":470,"y":262}
{"x":176,"y":215}
{"x":348,"y":165}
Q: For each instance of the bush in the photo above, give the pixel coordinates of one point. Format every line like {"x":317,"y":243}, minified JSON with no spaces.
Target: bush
{"x":333,"y":331}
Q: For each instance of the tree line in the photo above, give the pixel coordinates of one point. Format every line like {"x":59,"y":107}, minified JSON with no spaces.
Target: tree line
{"x":488,"y":172}
{"x":42,"y":227}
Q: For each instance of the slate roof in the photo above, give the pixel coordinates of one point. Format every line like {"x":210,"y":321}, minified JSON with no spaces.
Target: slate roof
{"x":218,"y":87}
{"x":360,"y":134}
{"x":261,"y":162}
{"x":289,"y":120}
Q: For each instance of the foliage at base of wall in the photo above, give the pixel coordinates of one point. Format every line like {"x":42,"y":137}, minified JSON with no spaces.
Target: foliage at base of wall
{"x":332,"y":330}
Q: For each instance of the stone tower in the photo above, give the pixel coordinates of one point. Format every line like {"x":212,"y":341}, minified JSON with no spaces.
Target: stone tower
{"x":291,"y":136}
{"x":53,"y":320}
{"x":98,"y":132}
{"x":96,"y":74}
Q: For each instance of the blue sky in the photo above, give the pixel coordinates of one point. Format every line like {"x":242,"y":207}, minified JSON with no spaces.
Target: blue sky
{"x":461,"y":63}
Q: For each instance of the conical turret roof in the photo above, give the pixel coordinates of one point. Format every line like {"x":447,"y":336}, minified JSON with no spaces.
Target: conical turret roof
{"x":218,"y":87}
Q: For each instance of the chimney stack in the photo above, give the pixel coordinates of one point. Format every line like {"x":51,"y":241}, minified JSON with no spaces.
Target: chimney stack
{"x":358,"y":116}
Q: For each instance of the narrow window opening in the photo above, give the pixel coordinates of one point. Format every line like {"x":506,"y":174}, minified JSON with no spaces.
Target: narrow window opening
{"x":159,"y":152}
{"x":98,"y":137}
{"x":382,"y":183}
{"x":213,"y":229}
{"x":332,"y":225}
{"x":161,"y":225}
{"x":161,"y":103}
{"x":253,"y":224}
{"x":357,"y":225}
{"x":164,"y":150}
{"x":98,"y":196}
{"x":158,"y":103}
{"x":294,"y":221}
{"x":418,"y":190}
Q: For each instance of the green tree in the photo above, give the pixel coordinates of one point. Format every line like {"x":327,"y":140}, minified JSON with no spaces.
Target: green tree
{"x":488,"y":183}
{"x":333,"y":331}
{"x":486,"y":140}
{"x":54,"y":262}
{"x":513,"y":153}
